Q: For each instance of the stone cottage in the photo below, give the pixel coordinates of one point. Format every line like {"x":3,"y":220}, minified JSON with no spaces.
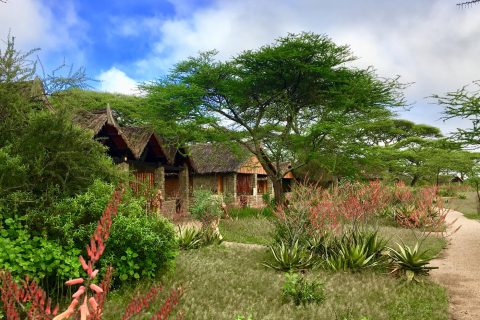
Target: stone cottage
{"x":234,"y":173}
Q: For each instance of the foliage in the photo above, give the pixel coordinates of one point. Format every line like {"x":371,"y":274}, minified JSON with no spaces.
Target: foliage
{"x":148,"y":245}
{"x":417,"y":159}
{"x":130,"y":108}
{"x":301,"y":291}
{"x":287,"y":101}
{"x":288,"y":257}
{"x":45,"y":261}
{"x":72,"y":220}
{"x":32,"y":300}
{"x":314,"y":212}
{"x":57,"y":159}
{"x":410,"y":261}
{"x":206,"y":206}
{"x":465,"y":104}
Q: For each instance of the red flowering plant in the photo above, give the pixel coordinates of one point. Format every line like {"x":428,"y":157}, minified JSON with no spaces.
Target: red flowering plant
{"x":28,"y":300}
{"x":424,"y":210}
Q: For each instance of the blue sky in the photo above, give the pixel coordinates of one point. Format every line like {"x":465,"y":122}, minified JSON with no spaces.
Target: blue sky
{"x":430,"y":43}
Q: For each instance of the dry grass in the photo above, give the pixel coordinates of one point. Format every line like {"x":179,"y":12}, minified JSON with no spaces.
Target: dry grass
{"x":222,"y":283}
{"x":467,"y":206}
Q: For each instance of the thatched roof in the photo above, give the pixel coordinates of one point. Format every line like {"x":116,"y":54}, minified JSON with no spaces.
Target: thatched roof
{"x":95,"y":120}
{"x":217,"y":158}
{"x":138,"y":138}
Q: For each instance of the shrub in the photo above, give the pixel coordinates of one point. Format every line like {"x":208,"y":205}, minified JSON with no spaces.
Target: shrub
{"x":423,"y":210}
{"x":288,"y":257}
{"x":41,"y":259}
{"x":206,"y":206}
{"x":410,"y":261}
{"x":60,"y":158}
{"x":28,"y":300}
{"x":72,"y":220}
{"x":297,"y":289}
{"x":140,"y":246}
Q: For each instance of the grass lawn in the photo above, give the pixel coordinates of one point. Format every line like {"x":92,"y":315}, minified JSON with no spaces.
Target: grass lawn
{"x":247,"y":230}
{"x":222,"y":283}
{"x":467,"y":206}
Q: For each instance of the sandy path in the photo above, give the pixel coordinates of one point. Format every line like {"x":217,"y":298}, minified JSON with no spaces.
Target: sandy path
{"x":459,"y":268}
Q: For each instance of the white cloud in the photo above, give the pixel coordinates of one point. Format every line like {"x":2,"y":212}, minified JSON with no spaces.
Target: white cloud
{"x":431,"y":43}
{"x":115,"y":80}
{"x":34,"y":25}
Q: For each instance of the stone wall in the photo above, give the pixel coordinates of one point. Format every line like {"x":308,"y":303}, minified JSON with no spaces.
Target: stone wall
{"x":205,"y":181}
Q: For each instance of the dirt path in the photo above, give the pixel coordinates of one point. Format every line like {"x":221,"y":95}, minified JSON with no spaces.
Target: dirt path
{"x":459,"y":268}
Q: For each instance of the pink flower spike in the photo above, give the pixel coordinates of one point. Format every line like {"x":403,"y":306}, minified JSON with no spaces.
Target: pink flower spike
{"x":94,"y":274}
{"x":96,"y":288}
{"x":84,"y":264}
{"x":74,"y":282}
{"x":79,"y":292}
{"x":84,"y":310}
{"x":93,"y":303}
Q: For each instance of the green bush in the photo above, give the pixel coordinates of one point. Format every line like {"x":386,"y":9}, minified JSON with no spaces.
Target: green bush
{"x":297,"y":289}
{"x":140,"y":246}
{"x":206,"y":206}
{"x":44,"y":260}
{"x":60,"y":159}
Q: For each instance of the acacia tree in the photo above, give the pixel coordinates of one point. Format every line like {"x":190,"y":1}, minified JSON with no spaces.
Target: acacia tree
{"x":281,"y":101}
{"x":465,"y":104}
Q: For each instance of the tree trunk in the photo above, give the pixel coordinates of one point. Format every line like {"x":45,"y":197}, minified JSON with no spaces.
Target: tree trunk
{"x":477,"y":188}
{"x":414,"y":181}
{"x":278,"y":192}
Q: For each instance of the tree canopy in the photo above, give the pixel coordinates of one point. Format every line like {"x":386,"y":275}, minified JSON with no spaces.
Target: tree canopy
{"x":283,"y":101}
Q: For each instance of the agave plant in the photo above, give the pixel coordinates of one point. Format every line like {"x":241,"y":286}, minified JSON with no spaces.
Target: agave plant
{"x":290,"y":257}
{"x":189,"y":238}
{"x":410,"y":261}
{"x":357,"y":250}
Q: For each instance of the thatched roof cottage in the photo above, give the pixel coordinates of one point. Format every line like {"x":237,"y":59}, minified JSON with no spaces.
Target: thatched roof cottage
{"x":154,"y":164}
{"x":232,"y":172}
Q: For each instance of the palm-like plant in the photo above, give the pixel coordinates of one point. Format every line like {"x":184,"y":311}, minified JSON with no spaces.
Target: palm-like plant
{"x":410,"y":261}
{"x":289,"y":257}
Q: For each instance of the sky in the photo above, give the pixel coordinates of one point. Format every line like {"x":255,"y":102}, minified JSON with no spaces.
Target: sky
{"x":432,"y":44}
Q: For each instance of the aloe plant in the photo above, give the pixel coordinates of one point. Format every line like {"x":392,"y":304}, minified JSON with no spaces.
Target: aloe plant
{"x":410,"y":261}
{"x":357,"y":250}
{"x":189,"y":238}
{"x":289,"y":257}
